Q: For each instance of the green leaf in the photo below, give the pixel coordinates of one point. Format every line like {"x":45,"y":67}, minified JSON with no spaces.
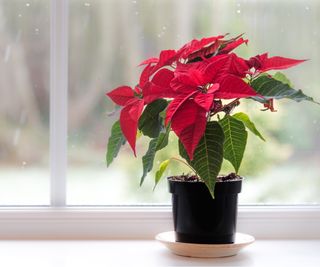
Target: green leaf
{"x":235,"y":140}
{"x":271,"y":88}
{"x":163,"y":139}
{"x":279,"y":76}
{"x":155,"y":145}
{"x":208,"y":155}
{"x":116,"y":140}
{"x":150,"y":122}
{"x":248,"y":123}
{"x":162,"y":167}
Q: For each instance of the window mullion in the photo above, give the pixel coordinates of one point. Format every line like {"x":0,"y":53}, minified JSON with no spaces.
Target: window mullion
{"x":58,"y":100}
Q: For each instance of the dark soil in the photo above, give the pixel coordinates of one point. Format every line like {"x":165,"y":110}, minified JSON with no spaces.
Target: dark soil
{"x":185,"y":178}
{"x":230,"y":177}
{"x":193,"y":178}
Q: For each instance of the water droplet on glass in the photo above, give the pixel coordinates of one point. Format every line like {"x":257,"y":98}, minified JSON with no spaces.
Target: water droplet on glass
{"x":238,"y":4}
{"x":307,"y":8}
{"x":19,"y":15}
{"x":36,"y":31}
{"x":238,"y":11}
{"x":134,"y":2}
{"x":164,"y":28}
{"x":87,"y":4}
{"x":7,"y":54}
{"x":27,"y":4}
{"x":137,"y":13}
{"x":159,"y":35}
{"x":24,"y":163}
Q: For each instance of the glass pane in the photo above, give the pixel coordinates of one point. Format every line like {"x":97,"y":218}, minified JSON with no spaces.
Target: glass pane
{"x":109,"y":38}
{"x":24,"y":102}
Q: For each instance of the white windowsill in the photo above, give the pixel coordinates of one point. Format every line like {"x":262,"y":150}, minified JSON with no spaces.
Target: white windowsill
{"x":263,"y":222}
{"x":262,"y":253}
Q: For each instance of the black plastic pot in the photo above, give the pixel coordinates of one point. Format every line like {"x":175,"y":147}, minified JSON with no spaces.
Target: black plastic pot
{"x":198,"y":218}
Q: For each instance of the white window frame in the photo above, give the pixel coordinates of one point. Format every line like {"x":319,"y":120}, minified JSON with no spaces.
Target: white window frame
{"x":263,"y":222}
{"x":58,"y":101}
{"x":120,"y":222}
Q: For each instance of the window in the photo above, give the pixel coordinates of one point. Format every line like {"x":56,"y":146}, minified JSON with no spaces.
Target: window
{"x":104,"y":51}
{"x":24,"y":102}
{"x":107,"y":39}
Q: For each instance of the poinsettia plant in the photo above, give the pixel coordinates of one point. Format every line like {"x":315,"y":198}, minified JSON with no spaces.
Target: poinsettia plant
{"x":193,"y":92}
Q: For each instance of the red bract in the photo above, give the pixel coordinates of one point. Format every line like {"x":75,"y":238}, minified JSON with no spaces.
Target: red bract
{"x":232,"y":45}
{"x":193,"y":49}
{"x":189,"y":124}
{"x":129,"y":118}
{"x":195,"y":45}
{"x":130,"y":113}
{"x":196,"y":86}
{"x":159,"y":86}
{"x":121,"y":95}
{"x":166,"y":58}
{"x":152,"y":60}
{"x":218,"y":47}
{"x":234,"y":87}
{"x":226,"y":70}
{"x":188,"y":111}
{"x":221,"y":65}
{"x":229,"y":71}
{"x":263,"y":63}
{"x":196,"y":78}
{"x":145,"y":75}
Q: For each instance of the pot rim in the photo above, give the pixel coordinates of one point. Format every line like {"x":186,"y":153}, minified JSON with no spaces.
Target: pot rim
{"x":201,"y":181}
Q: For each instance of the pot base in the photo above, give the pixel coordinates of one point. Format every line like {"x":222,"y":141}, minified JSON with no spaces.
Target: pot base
{"x":204,"y":250}
{"x":186,"y":238}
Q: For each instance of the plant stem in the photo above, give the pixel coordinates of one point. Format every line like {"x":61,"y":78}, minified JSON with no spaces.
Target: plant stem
{"x":177,"y":159}
{"x":227,"y":108}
